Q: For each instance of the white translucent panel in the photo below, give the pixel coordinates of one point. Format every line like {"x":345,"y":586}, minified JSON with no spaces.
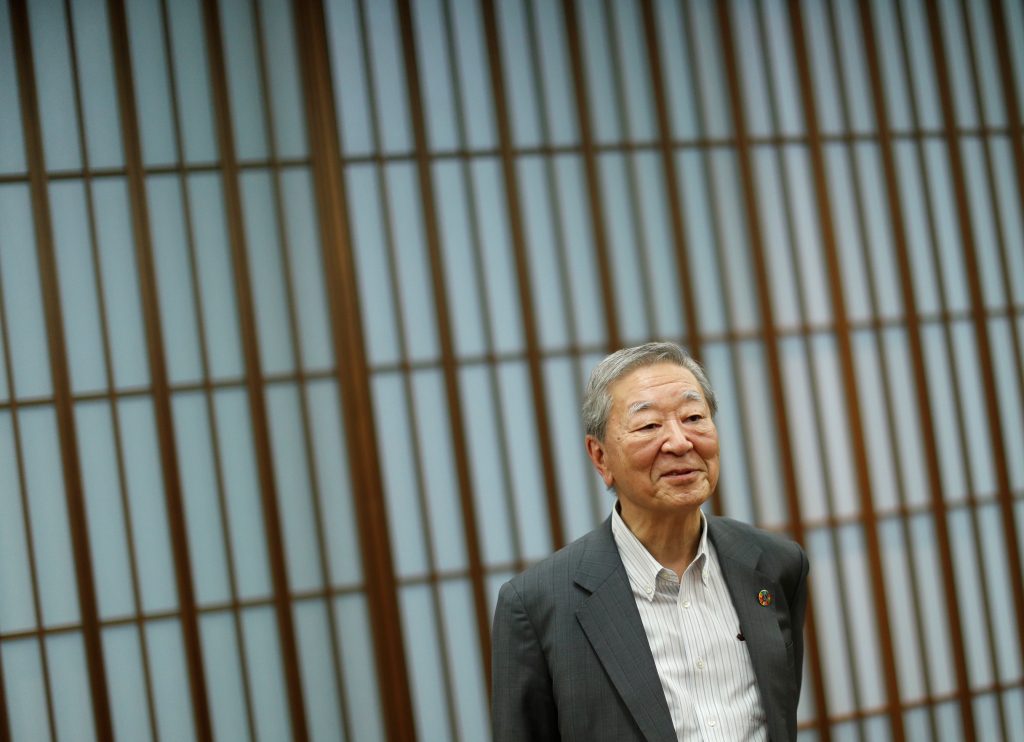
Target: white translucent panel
{"x":464,"y":661}
{"x":16,"y":608}
{"x":12,"y":142}
{"x":830,"y":623}
{"x":224,"y":682}
{"x":69,"y":686}
{"x":877,"y":728}
{"x":126,"y":682}
{"x":245,"y":93}
{"x":777,"y":238}
{"x":810,"y":247}
{"x":350,"y":76}
{"x":546,"y":272}
{"x":854,"y":67}
{"x":1008,"y":393}
{"x":677,"y":71}
{"x":294,"y":493}
{"x":952,"y":270}
{"x":433,"y":435}
{"x":5,"y":391}
{"x":581,"y":260}
{"x":192,"y":84}
{"x":949,"y":725}
{"x":850,"y":240}
{"x":394,"y":441}
{"x":120,"y":283}
{"x":242,"y":491}
{"x":836,"y":431}
{"x":918,"y":724}
{"x":307,"y":269}
{"x":96,"y":80}
{"x":388,"y":74}
{"x":527,"y":475}
{"x":624,"y":20}
{"x":880,"y":447}
{"x":971,"y":598}
{"x":700,"y":239}
{"x":286,"y":100}
{"x":54,"y":84}
{"x":23,"y":303}
{"x":931,"y":582}
{"x":1009,"y":214}
{"x":436,"y":74}
{"x":332,"y":471}
{"x":266,"y":674}
{"x":599,"y":63}
{"x":855,"y":579}
{"x":267,"y":273}
{"x":489,"y":465}
{"x":737,"y":260}
{"x":663,"y":274}
{"x":822,"y":63}
{"x":627,"y":249}
{"x":424,"y":661}
{"x":890,"y":61}
{"x":957,"y":61}
{"x":412,"y":263}
{"x":970,"y":388}
{"x":710,"y":70}
{"x":987,"y":241}
{"x":473,"y":73}
{"x":320,"y":692}
{"x":555,"y":71}
{"x":760,"y":420}
{"x":985,"y":50}
{"x":923,"y":271}
{"x":199,"y":489}
{"x":359,"y":667}
{"x":170,"y":679}
{"x":583,"y":503}
{"x":1013,"y":703}
{"x":25,"y":689}
{"x":460,"y":248}
{"x":999,"y":591}
{"x":803,"y":413}
{"x":175,"y":291}
{"x":216,"y":277}
{"x":148,"y":506}
{"x":806,"y":735}
{"x":152,"y":84}
{"x":51,"y":534}
{"x":1013,"y":16}
{"x":753,"y":73}
{"x":108,"y":535}
{"x":520,"y":93}
{"x":917,"y":40}
{"x":986,"y":716}
{"x":379,"y":313}
{"x":878,"y":243}
{"x":734,"y":489}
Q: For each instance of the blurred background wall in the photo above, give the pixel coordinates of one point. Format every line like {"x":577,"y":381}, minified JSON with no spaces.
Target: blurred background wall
{"x":297,"y":300}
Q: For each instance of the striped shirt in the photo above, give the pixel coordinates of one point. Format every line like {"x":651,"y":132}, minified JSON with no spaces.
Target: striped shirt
{"x":693,"y":632}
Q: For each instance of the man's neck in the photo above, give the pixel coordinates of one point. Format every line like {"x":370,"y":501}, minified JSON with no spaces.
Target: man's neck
{"x":672,"y":540}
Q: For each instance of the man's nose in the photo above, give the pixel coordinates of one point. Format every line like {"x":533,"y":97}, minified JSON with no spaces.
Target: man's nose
{"x":676,"y":438}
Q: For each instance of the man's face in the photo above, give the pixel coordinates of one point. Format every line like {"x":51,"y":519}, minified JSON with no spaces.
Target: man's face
{"x":660,"y":449}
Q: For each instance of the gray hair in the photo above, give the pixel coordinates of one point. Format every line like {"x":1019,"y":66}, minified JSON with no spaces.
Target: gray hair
{"x":597,"y":401}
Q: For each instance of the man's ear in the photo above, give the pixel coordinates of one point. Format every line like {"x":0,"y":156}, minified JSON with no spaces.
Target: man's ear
{"x":599,"y":456}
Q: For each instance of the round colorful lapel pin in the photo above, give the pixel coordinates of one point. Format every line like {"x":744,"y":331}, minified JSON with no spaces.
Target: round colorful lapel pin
{"x":764,"y":598}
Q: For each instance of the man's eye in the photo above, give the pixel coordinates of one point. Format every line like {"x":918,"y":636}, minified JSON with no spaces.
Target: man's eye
{"x":695,"y":418}
{"x":649,"y":426}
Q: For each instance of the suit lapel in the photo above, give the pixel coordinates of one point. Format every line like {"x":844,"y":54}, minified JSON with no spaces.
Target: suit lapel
{"x":739,"y":559}
{"x":611,"y":621}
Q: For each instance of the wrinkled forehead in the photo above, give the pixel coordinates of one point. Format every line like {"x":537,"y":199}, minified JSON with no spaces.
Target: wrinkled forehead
{"x":659,"y":384}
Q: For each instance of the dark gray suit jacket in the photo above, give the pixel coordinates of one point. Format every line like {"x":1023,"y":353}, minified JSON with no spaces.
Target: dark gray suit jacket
{"x":571,"y":660}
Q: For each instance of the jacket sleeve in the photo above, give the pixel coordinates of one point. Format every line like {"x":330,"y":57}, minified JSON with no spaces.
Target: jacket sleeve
{"x":522,"y":703}
{"x":797,"y":610}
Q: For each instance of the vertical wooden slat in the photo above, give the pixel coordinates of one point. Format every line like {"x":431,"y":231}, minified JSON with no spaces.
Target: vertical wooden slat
{"x":515,"y":219}
{"x":352,"y":373}
{"x":70,"y":466}
{"x":593,"y":176}
{"x":770,"y":339}
{"x":989,"y":382}
{"x":108,"y":363}
{"x":253,"y":372}
{"x":912,"y":317}
{"x":848,"y":371}
{"x":448,"y":361}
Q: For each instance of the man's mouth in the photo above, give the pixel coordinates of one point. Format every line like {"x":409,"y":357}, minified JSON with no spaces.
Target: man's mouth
{"x":681,"y":472}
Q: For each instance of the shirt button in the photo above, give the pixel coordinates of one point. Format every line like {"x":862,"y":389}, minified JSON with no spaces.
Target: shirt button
{"x":647,"y":589}
{"x":712,"y":723}
{"x":700,"y":664}
{"x":686,"y":604}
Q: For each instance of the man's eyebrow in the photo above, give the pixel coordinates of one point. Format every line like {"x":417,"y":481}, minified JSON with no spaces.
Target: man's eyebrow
{"x":693,"y":394}
{"x":690,"y":395}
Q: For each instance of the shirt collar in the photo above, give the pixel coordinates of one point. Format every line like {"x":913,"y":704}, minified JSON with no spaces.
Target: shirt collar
{"x":642,"y":568}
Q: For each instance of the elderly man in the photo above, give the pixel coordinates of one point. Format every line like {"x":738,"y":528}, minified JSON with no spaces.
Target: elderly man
{"x":663,"y":623}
